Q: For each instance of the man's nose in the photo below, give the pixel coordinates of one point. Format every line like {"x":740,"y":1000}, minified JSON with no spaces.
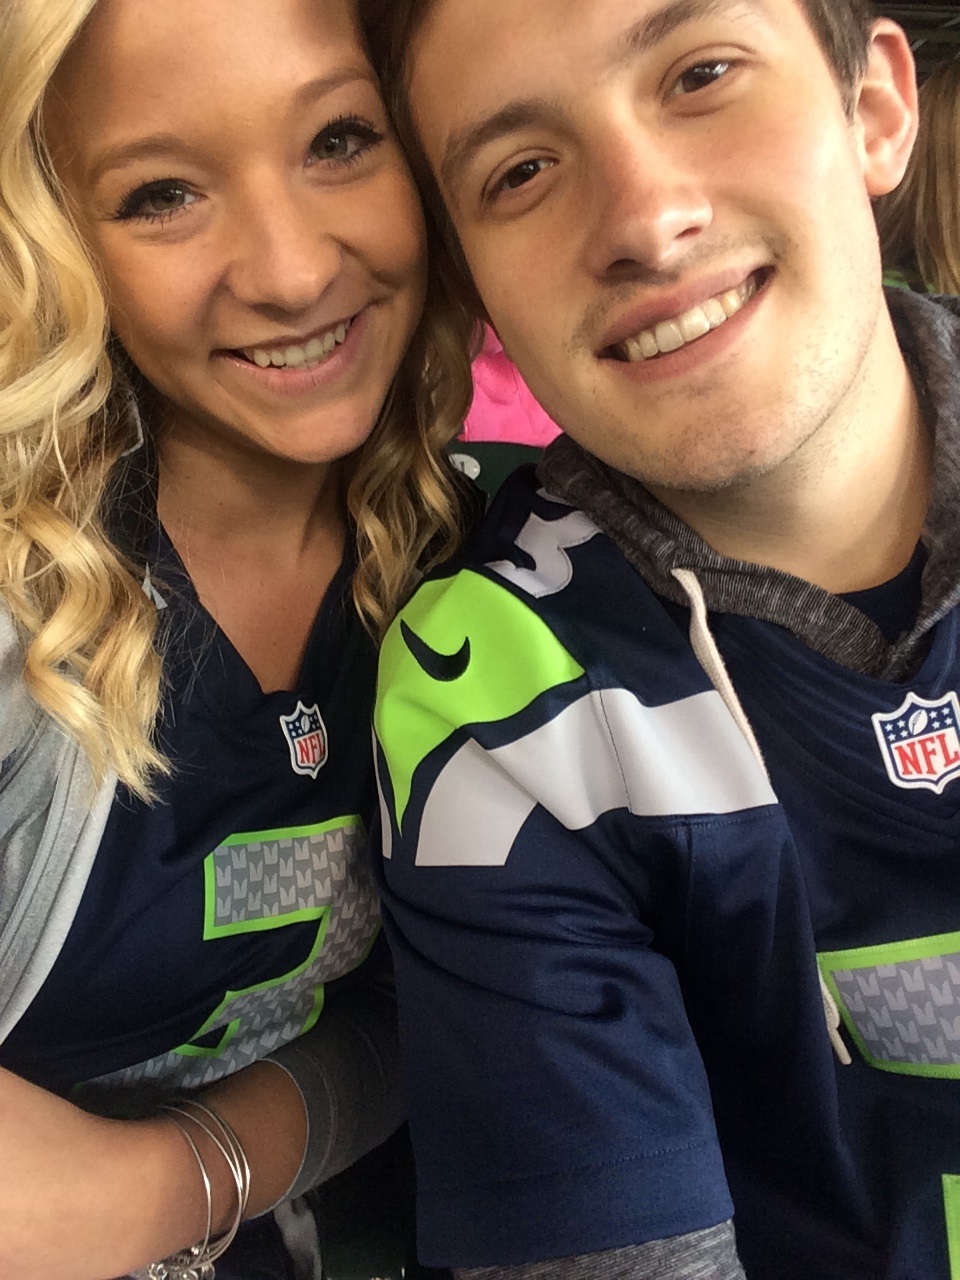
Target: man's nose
{"x":647,"y":203}
{"x":284,"y":252}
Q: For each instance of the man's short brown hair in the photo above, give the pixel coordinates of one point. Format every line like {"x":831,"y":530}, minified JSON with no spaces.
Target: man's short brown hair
{"x":843,"y":30}
{"x":841,"y":26}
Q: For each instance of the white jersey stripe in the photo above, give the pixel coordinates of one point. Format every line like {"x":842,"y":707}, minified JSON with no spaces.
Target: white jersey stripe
{"x":606,"y":751}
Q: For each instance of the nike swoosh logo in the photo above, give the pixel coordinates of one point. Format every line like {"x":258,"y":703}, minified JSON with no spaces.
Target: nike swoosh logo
{"x":439,"y":666}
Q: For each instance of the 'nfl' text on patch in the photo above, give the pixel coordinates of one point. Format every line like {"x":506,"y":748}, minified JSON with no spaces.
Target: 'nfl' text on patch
{"x":920,"y":742}
{"x":306,"y":736}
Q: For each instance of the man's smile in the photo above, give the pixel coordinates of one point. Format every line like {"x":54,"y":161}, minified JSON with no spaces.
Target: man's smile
{"x":689,"y":326}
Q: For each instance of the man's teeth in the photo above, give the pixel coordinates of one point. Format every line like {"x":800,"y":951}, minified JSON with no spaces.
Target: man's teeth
{"x":671,"y":335}
{"x":310,"y":354}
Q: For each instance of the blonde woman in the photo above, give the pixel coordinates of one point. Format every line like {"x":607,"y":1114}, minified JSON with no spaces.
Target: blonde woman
{"x":204,"y":517}
{"x":919,"y":223}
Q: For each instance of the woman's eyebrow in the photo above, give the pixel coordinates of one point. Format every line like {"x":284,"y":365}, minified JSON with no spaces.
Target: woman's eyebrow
{"x":161,"y":145}
{"x":122,"y":154}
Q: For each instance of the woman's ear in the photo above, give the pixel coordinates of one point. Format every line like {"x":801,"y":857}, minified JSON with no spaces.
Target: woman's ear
{"x":885,"y":109}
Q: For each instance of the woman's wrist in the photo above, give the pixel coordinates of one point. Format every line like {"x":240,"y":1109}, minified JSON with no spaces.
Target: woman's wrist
{"x":83,"y":1197}
{"x":264,"y":1112}
{"x":164,"y":1208}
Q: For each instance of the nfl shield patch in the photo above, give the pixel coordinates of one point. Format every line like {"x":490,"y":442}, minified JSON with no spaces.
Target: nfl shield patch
{"x":921,"y":742}
{"x":306,"y":736}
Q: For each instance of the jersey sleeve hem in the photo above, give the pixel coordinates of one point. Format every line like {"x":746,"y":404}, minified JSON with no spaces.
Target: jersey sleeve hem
{"x":584,"y":1211}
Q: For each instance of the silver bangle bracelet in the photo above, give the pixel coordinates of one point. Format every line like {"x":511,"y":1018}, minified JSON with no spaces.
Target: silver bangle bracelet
{"x":232,"y":1151}
{"x":196,"y":1262}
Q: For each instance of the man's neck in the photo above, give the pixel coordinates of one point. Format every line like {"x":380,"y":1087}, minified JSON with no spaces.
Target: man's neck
{"x":846,"y":511}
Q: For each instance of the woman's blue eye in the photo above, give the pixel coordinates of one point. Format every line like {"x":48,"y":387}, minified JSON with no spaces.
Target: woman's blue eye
{"x":345,"y":140}
{"x":701,"y":76}
{"x":156,"y":201}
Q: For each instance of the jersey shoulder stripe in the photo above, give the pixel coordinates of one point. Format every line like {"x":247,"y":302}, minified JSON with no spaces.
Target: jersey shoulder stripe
{"x":475,"y":681}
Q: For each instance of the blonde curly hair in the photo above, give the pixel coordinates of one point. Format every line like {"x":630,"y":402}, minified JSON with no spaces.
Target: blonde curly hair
{"x":88,"y":629}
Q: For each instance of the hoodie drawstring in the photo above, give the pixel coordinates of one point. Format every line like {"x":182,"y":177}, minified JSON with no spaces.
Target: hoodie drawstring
{"x":708,"y":655}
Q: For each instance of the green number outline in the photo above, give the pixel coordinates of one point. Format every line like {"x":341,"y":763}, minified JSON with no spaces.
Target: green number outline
{"x":199,"y":1051}
{"x":212,"y":930}
{"x":892,"y":953}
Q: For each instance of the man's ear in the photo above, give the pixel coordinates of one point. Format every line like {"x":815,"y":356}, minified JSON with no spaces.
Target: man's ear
{"x":885,"y":110}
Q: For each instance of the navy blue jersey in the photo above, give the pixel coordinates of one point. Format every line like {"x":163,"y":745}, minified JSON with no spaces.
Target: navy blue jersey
{"x":612,"y":922}
{"x":216,"y":920}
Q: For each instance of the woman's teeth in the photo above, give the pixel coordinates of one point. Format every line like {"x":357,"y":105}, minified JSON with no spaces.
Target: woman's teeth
{"x":310,"y":354}
{"x":671,"y":335}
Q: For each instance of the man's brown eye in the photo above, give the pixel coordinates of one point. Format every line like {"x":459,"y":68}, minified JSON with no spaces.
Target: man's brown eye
{"x":702,"y":75}
{"x":521,"y":173}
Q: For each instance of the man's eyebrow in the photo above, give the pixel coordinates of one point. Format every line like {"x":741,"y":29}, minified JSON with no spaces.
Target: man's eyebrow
{"x":658,"y":26}
{"x":163,"y":145}
{"x":464,"y":143}
{"x":644,"y":35}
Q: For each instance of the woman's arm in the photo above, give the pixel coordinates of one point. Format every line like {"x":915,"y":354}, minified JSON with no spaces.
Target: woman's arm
{"x":86,"y":1198}
{"x":348,"y":1071}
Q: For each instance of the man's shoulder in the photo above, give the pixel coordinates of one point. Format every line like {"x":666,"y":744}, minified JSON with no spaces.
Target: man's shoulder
{"x":538,"y":592}
{"x":526,"y":517}
{"x":555,"y":661}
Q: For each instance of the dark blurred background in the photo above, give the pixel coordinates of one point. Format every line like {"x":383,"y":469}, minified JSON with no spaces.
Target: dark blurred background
{"x":934,"y":30}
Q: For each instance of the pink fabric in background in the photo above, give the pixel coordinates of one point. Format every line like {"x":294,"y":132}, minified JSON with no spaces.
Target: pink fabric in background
{"x":503,"y":408}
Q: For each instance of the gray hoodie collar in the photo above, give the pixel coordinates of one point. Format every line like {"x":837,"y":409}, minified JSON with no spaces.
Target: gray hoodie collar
{"x":656,"y":542}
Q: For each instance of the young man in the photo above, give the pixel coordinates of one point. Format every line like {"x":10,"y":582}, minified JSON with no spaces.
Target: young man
{"x":669,"y":759}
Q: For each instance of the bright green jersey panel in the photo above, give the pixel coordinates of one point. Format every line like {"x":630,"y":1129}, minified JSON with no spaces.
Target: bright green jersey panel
{"x":464,"y":651}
